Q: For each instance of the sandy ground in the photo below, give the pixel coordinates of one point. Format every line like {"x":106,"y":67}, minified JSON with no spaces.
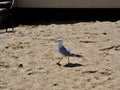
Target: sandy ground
{"x":28,"y":57}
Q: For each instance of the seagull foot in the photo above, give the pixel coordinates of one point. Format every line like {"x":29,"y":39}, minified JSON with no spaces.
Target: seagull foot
{"x":58,"y":64}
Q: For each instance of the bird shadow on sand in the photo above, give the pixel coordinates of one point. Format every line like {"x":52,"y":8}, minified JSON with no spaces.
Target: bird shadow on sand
{"x":71,"y":65}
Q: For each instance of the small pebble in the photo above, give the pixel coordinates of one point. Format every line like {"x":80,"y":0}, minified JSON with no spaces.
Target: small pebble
{"x":20,"y":65}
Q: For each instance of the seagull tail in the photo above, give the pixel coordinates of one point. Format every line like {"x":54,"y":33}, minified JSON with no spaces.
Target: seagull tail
{"x":77,"y":55}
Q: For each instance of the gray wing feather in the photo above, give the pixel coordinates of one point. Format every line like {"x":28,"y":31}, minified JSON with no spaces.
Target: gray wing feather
{"x":65,"y":51}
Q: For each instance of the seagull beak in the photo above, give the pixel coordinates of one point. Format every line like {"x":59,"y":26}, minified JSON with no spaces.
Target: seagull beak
{"x":56,"y":40}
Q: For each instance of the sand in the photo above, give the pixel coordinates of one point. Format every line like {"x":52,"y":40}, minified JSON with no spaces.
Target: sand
{"x":28,"y":57}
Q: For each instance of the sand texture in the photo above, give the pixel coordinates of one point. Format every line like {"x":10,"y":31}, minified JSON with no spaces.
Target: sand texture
{"x":28,"y":57}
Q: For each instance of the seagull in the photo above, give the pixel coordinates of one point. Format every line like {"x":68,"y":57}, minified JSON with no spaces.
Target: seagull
{"x":64,"y":51}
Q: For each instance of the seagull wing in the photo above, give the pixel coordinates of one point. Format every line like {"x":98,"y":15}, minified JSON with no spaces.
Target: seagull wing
{"x":63,"y":50}
{"x":67,"y":52}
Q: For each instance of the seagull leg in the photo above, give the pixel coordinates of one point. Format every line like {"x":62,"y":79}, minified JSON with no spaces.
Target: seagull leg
{"x":59,"y":60}
{"x":58,"y":63}
{"x":68,"y":60}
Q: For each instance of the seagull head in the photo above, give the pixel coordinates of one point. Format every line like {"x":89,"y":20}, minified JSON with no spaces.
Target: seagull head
{"x":60,"y":41}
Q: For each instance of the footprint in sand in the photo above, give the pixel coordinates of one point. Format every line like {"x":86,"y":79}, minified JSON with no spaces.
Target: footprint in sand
{"x":117,"y":47}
